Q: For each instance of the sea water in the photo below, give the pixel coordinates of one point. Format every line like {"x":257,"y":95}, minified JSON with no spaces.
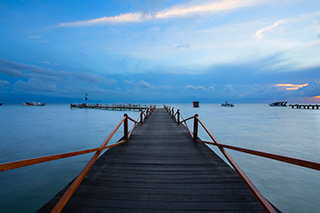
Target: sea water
{"x":30,"y":131}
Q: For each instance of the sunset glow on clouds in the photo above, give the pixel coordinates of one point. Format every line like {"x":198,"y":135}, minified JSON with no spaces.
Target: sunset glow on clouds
{"x":163,"y":51}
{"x":291,"y":86}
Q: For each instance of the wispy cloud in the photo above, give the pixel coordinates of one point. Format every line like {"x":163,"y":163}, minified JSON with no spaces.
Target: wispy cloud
{"x":305,"y":20}
{"x":260,"y":33}
{"x":312,"y":89}
{"x":35,"y":85}
{"x":192,"y":87}
{"x":179,"y":45}
{"x":122,"y":18}
{"x":206,"y":7}
{"x":93,"y":78}
{"x":181,"y":10}
{"x":3,"y":83}
{"x":143,"y":84}
{"x":291,"y":86}
{"x":16,"y":69}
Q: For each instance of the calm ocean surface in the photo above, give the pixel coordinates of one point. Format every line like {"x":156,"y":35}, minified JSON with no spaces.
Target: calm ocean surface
{"x":28,"y":132}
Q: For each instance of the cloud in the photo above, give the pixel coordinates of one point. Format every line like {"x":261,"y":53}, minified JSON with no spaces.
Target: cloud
{"x":192,"y":87}
{"x":48,"y":62}
{"x":311,"y":89}
{"x":4,"y":83}
{"x":128,"y":82}
{"x":16,"y":69}
{"x":180,"y":45}
{"x":291,"y":86}
{"x":34,"y":85}
{"x":143,"y":84}
{"x":204,"y":8}
{"x":166,"y":87}
{"x":300,"y":22}
{"x":229,"y":89}
{"x":260,"y":33}
{"x":181,"y":10}
{"x":122,"y":18}
{"x":93,"y":78}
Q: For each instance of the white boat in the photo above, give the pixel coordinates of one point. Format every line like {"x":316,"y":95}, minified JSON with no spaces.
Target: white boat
{"x":279,"y":104}
{"x":226,"y":104}
{"x":33,"y":104}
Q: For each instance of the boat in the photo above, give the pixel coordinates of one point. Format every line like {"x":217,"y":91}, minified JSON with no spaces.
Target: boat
{"x":226,"y":104}
{"x":279,"y":104}
{"x":34,"y":104}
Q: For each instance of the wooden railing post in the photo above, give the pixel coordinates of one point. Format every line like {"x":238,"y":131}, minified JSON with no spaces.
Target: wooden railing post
{"x":195,"y":128}
{"x":178,"y":116}
{"x":141,"y":117}
{"x":125,"y":127}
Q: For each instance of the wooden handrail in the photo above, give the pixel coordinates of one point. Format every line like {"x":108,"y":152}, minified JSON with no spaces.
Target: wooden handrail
{"x":134,"y":121}
{"x":184,"y":120}
{"x":294,"y":161}
{"x":186,"y":124}
{"x":29,"y":162}
{"x":134,"y":125}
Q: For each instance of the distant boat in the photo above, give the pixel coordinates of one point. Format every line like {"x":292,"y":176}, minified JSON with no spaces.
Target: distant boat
{"x":34,"y":104}
{"x":226,"y":104}
{"x":279,"y":104}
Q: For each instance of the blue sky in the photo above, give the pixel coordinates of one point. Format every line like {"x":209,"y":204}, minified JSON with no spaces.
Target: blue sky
{"x":244,"y":51}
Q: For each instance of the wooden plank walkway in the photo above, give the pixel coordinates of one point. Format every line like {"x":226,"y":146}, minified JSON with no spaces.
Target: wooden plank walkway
{"x":160,"y":169}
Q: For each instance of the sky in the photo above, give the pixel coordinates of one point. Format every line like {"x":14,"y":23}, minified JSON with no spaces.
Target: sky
{"x":153,"y":51}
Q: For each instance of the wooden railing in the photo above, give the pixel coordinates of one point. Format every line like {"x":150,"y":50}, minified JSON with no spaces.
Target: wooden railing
{"x":67,"y":195}
{"x":266,"y":205}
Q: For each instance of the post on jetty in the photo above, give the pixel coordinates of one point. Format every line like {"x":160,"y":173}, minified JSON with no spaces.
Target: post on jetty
{"x":160,"y":165}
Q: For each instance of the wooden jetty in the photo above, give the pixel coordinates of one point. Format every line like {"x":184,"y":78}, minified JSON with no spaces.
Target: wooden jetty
{"x":159,"y":165}
{"x":117,"y":107}
{"x":160,"y":169}
{"x":304,"y":106}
